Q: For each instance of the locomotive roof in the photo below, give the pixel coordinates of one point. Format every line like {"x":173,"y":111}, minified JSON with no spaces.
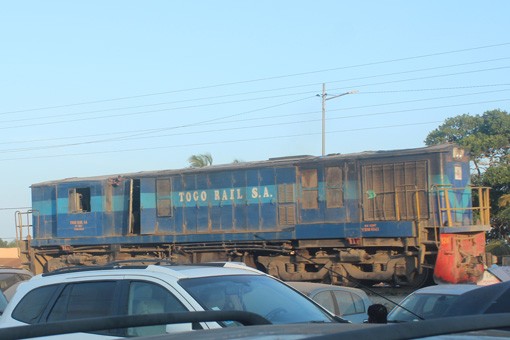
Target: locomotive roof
{"x":280,"y":161}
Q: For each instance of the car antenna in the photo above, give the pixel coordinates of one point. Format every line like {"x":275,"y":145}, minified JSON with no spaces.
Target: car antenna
{"x":349,"y":279}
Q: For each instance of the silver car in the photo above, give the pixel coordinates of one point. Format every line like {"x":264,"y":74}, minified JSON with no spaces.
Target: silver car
{"x":428,"y":303}
{"x":349,"y":303}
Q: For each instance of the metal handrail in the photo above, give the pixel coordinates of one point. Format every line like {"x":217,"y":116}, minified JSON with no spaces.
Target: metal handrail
{"x":18,"y":217}
{"x":443,"y":191}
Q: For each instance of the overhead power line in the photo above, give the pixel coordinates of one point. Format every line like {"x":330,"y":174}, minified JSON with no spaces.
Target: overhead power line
{"x":253,"y":139}
{"x":18,"y":208}
{"x":251,"y":92}
{"x":256,"y":118}
{"x":221,"y":103}
{"x":259,"y":79}
{"x":143,"y":134}
{"x":220,"y":142}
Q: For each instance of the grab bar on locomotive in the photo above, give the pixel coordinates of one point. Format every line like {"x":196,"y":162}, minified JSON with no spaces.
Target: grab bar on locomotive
{"x":443,"y":192}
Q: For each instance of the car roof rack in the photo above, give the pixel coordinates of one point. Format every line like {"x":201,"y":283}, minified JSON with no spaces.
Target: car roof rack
{"x":141,"y":264}
{"x":151,"y":261}
{"x":77,"y":269}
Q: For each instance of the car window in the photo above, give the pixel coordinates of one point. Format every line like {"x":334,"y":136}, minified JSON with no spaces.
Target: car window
{"x":257,"y":294}
{"x":344,"y":302}
{"x":149,"y":298}
{"x":427,"y":306}
{"x":9,"y":279}
{"x":359,"y":303}
{"x":84,"y":300}
{"x":33,"y":304}
{"x":325,"y":299}
{"x":24,"y":277}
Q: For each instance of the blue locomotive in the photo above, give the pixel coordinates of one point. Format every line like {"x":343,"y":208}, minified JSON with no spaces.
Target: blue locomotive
{"x":370,"y":216}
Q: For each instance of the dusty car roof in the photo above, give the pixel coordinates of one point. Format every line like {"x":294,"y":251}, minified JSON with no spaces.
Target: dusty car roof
{"x":309,"y":287}
{"x":453,"y":289}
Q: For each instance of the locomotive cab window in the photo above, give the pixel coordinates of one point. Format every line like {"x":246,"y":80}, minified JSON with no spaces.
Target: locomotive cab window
{"x":79,"y":200}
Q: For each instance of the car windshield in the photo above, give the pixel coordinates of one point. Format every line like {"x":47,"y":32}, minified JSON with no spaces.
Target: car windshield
{"x":257,"y":294}
{"x":426,"y":306}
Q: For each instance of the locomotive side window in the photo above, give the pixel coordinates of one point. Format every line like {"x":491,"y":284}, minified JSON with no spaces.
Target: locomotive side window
{"x":163,"y":190}
{"x":310,"y":189}
{"x":334,"y":187}
{"x":79,"y":200}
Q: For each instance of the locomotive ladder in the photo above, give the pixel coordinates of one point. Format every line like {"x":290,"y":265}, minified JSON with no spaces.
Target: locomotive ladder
{"x":24,"y":227}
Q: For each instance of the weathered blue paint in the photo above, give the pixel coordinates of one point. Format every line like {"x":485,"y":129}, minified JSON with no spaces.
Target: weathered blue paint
{"x":233,"y":202}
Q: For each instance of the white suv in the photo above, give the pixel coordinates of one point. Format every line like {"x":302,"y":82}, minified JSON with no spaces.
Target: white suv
{"x":116,"y":290}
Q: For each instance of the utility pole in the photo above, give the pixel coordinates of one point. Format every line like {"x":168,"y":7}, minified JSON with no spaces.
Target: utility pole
{"x":324,"y":94}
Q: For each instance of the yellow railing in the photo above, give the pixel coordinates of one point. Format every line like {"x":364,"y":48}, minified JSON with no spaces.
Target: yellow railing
{"x":24,"y":225}
{"x":445,"y":211}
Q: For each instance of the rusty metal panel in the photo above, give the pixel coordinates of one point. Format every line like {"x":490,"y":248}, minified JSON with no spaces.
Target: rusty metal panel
{"x":333,"y":176}
{"x":290,"y":193}
{"x":334,"y":187}
{"x":108,"y":197}
{"x":287,"y":214}
{"x":291,"y":214}
{"x":310,"y":199}
{"x":282,"y":215}
{"x":335,"y":198}
{"x":395,"y":191}
{"x":286,"y":193}
{"x":163,"y":187}
{"x":309,"y":178}
{"x":281,"y":193}
{"x":310,"y":190}
{"x":164,"y":199}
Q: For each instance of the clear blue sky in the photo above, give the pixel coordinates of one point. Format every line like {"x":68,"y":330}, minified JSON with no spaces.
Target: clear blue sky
{"x":108,"y":87}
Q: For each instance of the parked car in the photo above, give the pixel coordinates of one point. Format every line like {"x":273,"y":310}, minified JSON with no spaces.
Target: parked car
{"x":492,"y":299}
{"x":9,"y":276}
{"x":428,"y":303}
{"x":477,"y":327}
{"x":3,"y":303}
{"x":119,"y":290}
{"x":9,"y":292}
{"x":349,"y":303}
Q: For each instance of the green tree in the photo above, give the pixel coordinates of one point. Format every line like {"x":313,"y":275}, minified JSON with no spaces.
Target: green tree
{"x":199,"y":161}
{"x":487,"y":137}
{"x":5,"y":244}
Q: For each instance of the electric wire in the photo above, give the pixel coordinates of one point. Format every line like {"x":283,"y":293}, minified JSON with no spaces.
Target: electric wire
{"x":255,"y":92}
{"x":138,"y":135}
{"x":265,"y":79}
{"x":221,"y":103}
{"x":215,"y":143}
{"x":255,"y":118}
{"x":18,"y":208}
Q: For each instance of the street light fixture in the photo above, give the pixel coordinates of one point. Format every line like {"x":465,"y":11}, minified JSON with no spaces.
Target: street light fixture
{"x":324,"y":94}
